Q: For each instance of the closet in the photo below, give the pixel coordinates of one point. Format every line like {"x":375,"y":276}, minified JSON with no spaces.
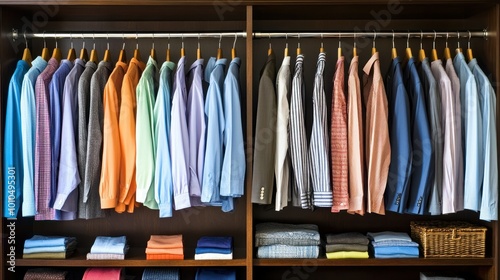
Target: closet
{"x":202,"y":16}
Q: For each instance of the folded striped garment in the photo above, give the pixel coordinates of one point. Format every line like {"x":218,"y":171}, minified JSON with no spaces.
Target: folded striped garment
{"x":394,"y":243}
{"x":153,"y":273}
{"x":286,"y":234}
{"x":51,"y":249}
{"x":287,"y":252}
{"x":164,"y":257}
{"x":105,"y":256}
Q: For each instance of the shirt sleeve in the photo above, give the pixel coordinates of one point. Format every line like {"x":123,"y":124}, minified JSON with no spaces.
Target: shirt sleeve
{"x":28,"y":113}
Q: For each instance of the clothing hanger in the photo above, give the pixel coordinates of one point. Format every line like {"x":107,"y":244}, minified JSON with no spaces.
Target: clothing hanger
{"x":286,"y":45}
{"x":71,"y":53}
{"x":106,"y":53}
{"x":233,"y":50}
{"x":354,"y":49}
{"x":153,"y":51}
{"x":321,"y":49}
{"x":198,"y":50}
{"x":168,"y":48}
{"x":93,"y":52}
{"x":219,"y":50}
{"x":83,"y":53}
{"x":339,"y":50}
{"x":137,"y":53}
{"x":434,"y":52}
{"x":459,"y":49}
{"x":56,"y":54}
{"x":394,"y":53}
{"x":27,"y":53}
{"x":447,"y":54}
{"x":374,"y":49}
{"x":123,"y":54}
{"x":183,"y":52}
{"x":421,"y":52}
{"x":45,"y":51}
{"x":470,"y":57}
{"x":270,"y":50}
{"x":408,"y":49}
{"x":299,"y":51}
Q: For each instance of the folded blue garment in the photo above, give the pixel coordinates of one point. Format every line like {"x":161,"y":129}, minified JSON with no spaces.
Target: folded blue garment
{"x":215,"y":274}
{"x":286,"y":234}
{"x":287,"y":252}
{"x":395,"y":256}
{"x":223,"y":242}
{"x":47,"y":241}
{"x":161,"y":273}
{"x":51,"y":249}
{"x":391,"y":250}
{"x":394,"y":243}
{"x":109,"y":245}
{"x":204,"y":250}
{"x":389,"y":236}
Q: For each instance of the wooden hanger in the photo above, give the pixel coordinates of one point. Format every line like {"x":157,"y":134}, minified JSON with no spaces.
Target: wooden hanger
{"x":270,"y":50}
{"x":299,"y":50}
{"x":83,"y":53}
{"x":354,"y":49}
{"x":233,"y":50}
{"x":122,"y":57}
{"x":198,"y":50}
{"x":45,"y":51}
{"x":27,"y":53}
{"x":321,"y":48}
{"x":374,"y":49}
{"x":394,"y":52}
{"x":219,"y":50}
{"x":71,"y":53}
{"x":470,"y":57}
{"x":421,"y":52}
{"x":137,"y":53}
{"x":447,"y":54}
{"x":168,"y":49}
{"x":153,"y":51}
{"x":408,"y":49}
{"x":339,"y":50}
{"x":107,"y":55}
{"x":434,"y":51}
{"x":459,"y":49}
{"x":183,"y":51}
{"x":56,"y":54}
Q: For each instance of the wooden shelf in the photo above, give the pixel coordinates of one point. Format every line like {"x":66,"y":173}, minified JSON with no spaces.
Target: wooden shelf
{"x":376,"y":262}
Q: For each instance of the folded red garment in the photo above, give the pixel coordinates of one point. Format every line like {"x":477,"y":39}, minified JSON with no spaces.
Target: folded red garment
{"x":164,"y":257}
{"x":97,"y":273}
{"x":173,"y":251}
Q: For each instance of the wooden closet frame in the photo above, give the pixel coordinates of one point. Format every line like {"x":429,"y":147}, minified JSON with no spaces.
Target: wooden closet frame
{"x":262,"y":16}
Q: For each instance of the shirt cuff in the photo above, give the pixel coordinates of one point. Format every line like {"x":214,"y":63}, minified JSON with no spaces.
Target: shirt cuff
{"x":355,"y":204}
{"x":322,"y":199}
{"x":165,"y":210}
{"x":182,"y":201}
{"x":60,"y":200}
{"x":235,"y":191}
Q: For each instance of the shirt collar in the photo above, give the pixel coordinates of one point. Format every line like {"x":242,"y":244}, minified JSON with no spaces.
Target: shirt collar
{"x":137,"y":62}
{"x":39,"y":63}
{"x":168,"y":64}
{"x":197,"y":63}
{"x":152,"y":61}
{"x":286,"y":60}
{"x":473,"y":63}
{"x":79,"y":62}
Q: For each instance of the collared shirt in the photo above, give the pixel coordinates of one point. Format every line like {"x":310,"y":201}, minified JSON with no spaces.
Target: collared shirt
{"x":282,"y":163}
{"x":433,"y":106}
{"x":179,"y":137}
{"x":232,"y":182}
{"x":69,"y":176}
{"x":472,"y":134}
{"x":111,"y":151}
{"x":338,"y":142}
{"x":82,"y":130}
{"x":422,"y":164}
{"x":210,"y":192}
{"x":356,"y":155}
{"x":146,"y":145}
{"x":163,"y":166}
{"x":56,"y":89}
{"x":126,"y":123}
{"x":298,"y":139}
{"x":196,"y":129}
{"x":28,"y":125}
{"x":13,"y":153}
{"x":378,"y":149}
{"x":396,"y":194}
{"x":453,"y":162}
{"x":265,"y":135}
{"x":318,"y":147}
{"x":43,"y":165}
{"x":90,"y":203}
{"x":487,"y":196}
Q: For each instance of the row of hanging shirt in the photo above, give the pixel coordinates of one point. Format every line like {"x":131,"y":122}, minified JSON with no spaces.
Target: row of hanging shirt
{"x":81,"y":136}
{"x":423,"y":141}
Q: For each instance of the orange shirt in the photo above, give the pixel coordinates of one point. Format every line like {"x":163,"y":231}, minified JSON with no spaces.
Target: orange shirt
{"x":111,"y":154}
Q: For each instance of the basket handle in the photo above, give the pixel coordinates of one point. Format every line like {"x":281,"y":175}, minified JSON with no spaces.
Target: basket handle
{"x":454,"y":235}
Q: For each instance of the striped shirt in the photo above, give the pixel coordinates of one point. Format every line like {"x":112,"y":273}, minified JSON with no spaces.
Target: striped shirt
{"x":318,"y":148}
{"x":298,"y":140}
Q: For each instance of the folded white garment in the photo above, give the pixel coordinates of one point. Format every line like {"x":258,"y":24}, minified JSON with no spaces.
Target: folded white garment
{"x":213,"y":256}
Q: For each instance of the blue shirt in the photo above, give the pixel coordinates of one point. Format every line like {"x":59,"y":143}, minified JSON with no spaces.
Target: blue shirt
{"x":13,"y":153}
{"x":215,"y":129}
{"x":163,"y":173}
{"x":423,"y":156}
{"x":28,"y":121}
{"x":56,"y":88}
{"x":396,"y":192}
{"x":472,"y":134}
{"x":488,"y":196}
{"x":234,"y":164}
{"x":69,"y":175}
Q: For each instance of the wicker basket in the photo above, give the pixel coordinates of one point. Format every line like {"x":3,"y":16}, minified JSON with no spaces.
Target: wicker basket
{"x":440,"y":239}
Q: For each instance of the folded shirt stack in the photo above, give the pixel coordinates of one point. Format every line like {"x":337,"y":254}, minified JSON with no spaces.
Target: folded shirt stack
{"x":215,"y":274}
{"x":45,"y":274}
{"x":48,"y":247}
{"x":214,"y":248}
{"x":108,"y":248}
{"x":165,"y":247}
{"x":283,"y":241}
{"x":154,"y":273}
{"x":389,"y":244}
{"x":349,"y":245}
{"x":99,"y":273}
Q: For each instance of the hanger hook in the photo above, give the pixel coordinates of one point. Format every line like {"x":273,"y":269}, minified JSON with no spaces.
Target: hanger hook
{"x":434,"y":41}
{"x":340,"y":40}
{"x":354,"y":40}
{"x":393,"y":36}
{"x":447,"y":36}
{"x":93,"y":40}
{"x":44,"y":42}
{"x":182,"y":40}
{"x":55,"y":38}
{"x":374,"y":37}
{"x":153,"y":45}
{"x":83,"y":44}
{"x":220,"y":39}
{"x":270,"y":46}
{"x":298,"y":40}
{"x":321,"y":40}
{"x":168,"y":42}
{"x":468,"y":42}
{"x":136,"y":40}
{"x":107,"y":41}
{"x":71,"y":39}
{"x":421,"y":38}
{"x":26,"y":41}
{"x":408,"y":41}
{"x":458,"y":40}
{"x":286,"y":40}
{"x":123,"y":36}
{"x":235,"y":39}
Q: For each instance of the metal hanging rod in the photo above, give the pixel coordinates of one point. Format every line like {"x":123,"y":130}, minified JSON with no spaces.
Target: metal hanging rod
{"x":127,"y":35}
{"x":375,"y":34}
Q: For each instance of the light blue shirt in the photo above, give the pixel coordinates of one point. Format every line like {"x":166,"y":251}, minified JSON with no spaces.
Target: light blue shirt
{"x":215,"y":128}
{"x":163,"y":185}
{"x":56,"y":90}
{"x":13,"y":153}
{"x":472,"y":134}
{"x":487,"y":103}
{"x":179,"y":137}
{"x":28,"y":121}
{"x":234,"y":164}
{"x":69,"y":175}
